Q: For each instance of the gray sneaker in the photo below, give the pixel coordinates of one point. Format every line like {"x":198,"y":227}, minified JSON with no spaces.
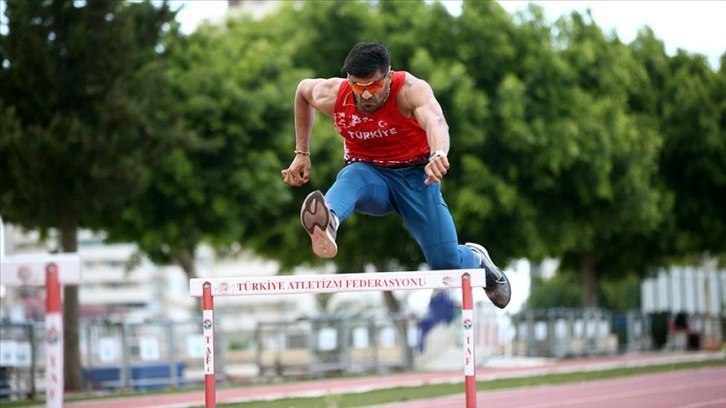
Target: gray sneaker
{"x":498,"y":289}
{"x":320,"y":223}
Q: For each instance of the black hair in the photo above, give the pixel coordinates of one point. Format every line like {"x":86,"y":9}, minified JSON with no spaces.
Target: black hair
{"x":365,"y":58}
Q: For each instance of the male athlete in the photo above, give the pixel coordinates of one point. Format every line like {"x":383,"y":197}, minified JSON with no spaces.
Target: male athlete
{"x":396,"y":140}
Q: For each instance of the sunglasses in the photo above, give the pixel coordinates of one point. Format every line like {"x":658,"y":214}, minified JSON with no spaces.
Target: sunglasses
{"x":373,"y":87}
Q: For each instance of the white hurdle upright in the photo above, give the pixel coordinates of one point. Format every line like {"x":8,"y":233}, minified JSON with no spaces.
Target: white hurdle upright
{"x":466,"y":279}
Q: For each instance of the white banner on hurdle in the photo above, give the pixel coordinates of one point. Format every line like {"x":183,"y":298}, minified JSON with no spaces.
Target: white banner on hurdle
{"x":342,"y":282}
{"x":29,"y":269}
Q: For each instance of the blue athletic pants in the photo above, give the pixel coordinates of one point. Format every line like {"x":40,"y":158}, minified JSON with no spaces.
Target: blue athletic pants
{"x":377,"y":191}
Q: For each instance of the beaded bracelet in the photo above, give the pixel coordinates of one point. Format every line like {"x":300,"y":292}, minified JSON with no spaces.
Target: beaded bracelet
{"x":302,"y":152}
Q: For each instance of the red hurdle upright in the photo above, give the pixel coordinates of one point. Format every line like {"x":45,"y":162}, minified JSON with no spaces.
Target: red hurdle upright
{"x":53,"y":337}
{"x":210,"y":385}
{"x":350,"y":282}
{"x":51,"y":271}
{"x":467,"y":321}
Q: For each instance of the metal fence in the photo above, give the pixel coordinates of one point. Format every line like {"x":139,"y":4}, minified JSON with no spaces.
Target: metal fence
{"x":20,"y":352}
{"x":562,"y":332}
{"x":333,"y":344}
{"x":158,"y":354}
{"x":147,"y":355}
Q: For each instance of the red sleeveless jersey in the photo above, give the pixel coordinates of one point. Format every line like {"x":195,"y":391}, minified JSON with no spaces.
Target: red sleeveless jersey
{"x":385,"y":137}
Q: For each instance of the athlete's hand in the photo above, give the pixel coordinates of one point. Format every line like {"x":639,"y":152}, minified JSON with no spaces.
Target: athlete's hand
{"x":436,"y":169}
{"x":299,"y":171}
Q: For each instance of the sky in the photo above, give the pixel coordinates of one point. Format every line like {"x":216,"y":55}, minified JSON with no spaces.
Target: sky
{"x":696,"y":26}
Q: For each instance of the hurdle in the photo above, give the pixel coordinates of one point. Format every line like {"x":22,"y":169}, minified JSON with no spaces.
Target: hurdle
{"x":466,"y":279}
{"x":50,"y":271}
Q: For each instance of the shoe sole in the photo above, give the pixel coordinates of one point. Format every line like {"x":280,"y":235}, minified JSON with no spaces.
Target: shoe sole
{"x":315,"y":218}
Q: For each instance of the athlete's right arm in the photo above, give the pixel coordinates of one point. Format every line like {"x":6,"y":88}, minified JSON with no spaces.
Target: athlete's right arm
{"x":311,"y":95}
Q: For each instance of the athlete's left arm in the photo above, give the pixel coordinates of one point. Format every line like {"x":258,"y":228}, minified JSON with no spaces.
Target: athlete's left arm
{"x":419,"y":97}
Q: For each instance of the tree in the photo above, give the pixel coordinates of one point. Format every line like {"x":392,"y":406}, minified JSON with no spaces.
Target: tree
{"x":82,"y":125}
{"x":693,"y":162}
{"x":232,"y":91}
{"x":564,"y":290}
{"x":303,"y":31}
{"x":542,"y":157}
{"x":555,"y":143}
{"x":625,"y":203}
{"x":564,"y":168}
{"x":686,"y":100}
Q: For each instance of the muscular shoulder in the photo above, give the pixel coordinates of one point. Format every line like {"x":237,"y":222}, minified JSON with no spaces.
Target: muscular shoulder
{"x":414,"y":93}
{"x":321,"y":93}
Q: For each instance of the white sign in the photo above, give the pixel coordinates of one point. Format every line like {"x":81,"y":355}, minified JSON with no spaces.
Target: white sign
{"x":107,"y":349}
{"x":14,"y":353}
{"x":149,"y":348}
{"x":29,"y":269}
{"x":342,"y":282}
{"x":23,"y":354}
{"x":327,"y":339}
{"x":7,"y":353}
{"x":208,"y":331}
{"x":467,"y":321}
{"x":387,"y":337}
{"x":360,"y":338}
{"x":54,"y":359}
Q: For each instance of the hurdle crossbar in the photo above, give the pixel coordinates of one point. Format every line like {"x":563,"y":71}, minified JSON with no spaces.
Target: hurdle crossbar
{"x":466,"y":279}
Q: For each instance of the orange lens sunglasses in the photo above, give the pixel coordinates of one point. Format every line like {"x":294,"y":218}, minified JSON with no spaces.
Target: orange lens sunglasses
{"x":373,"y":87}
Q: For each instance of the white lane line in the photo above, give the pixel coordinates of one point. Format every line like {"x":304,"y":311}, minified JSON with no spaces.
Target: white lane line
{"x":713,"y":403}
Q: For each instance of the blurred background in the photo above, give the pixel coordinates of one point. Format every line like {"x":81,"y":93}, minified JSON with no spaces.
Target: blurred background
{"x":588,"y":155}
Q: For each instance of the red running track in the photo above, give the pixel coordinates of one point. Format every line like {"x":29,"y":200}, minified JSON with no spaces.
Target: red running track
{"x":532,"y":396}
{"x":697,"y":388}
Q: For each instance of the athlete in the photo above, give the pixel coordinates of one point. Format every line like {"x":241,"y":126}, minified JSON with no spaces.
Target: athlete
{"x":396,"y":142}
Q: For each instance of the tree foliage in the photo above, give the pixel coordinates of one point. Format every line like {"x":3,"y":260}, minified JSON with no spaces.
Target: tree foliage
{"x":557,"y":134}
{"x":83,"y":124}
{"x":231,"y":90}
{"x":566,"y":142}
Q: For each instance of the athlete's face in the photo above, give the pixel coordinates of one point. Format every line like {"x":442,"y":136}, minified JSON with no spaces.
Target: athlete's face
{"x":371,"y":91}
